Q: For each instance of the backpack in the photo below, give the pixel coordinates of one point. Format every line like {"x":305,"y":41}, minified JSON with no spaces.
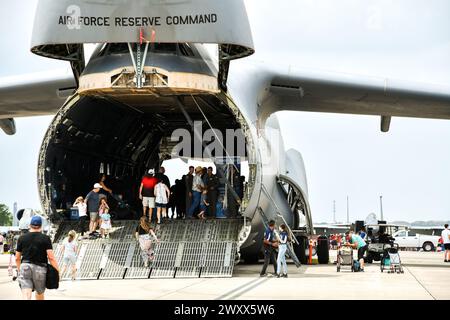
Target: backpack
{"x":356,"y":266}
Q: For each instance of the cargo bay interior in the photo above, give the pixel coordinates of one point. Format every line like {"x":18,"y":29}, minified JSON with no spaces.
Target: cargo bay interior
{"x":125,"y":136}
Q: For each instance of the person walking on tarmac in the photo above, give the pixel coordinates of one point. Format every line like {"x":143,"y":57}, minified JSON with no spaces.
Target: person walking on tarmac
{"x":446,"y":240}
{"x":356,"y":242}
{"x":34,"y":251}
{"x":270,"y":243}
{"x":282,"y":247}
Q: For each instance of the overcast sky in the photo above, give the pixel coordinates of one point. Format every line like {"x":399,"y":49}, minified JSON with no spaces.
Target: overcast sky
{"x":344,"y":154}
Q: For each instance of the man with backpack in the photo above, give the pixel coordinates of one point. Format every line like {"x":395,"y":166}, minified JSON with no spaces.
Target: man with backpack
{"x":270,"y":243}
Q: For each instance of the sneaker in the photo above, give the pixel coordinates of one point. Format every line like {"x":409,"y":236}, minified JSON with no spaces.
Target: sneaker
{"x":278,"y":275}
{"x":445,"y":260}
{"x":285,"y":275}
{"x":361,"y":270}
{"x":263,"y":275}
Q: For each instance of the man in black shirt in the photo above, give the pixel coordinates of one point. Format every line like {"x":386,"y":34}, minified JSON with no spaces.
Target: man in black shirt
{"x":179,"y":198}
{"x":188,"y":180}
{"x":212,"y":183}
{"x":33,"y":249}
{"x":162,"y":177}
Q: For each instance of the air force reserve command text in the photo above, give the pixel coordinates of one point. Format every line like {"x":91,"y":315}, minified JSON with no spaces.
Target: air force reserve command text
{"x":137,"y":21}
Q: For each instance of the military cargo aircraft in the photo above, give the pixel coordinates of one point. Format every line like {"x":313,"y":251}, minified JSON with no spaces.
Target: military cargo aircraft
{"x":150,"y":75}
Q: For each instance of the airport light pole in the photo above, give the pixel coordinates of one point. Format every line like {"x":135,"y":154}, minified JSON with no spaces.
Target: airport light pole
{"x":381,"y":208}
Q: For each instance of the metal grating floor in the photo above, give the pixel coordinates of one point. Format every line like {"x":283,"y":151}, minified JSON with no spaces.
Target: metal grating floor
{"x":187,"y":249}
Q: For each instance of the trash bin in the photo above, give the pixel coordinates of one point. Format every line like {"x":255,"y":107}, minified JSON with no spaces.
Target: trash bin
{"x":300,"y":248}
{"x":323,"y":246}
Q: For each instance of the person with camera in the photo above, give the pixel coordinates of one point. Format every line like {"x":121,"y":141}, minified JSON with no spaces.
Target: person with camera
{"x":34,"y":251}
{"x":270,"y":244}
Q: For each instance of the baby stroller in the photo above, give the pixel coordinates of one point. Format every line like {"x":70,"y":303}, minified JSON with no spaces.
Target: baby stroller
{"x":345,"y":258}
{"x":391,"y":259}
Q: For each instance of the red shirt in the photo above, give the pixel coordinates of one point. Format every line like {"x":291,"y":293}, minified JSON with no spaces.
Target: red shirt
{"x":148,"y":185}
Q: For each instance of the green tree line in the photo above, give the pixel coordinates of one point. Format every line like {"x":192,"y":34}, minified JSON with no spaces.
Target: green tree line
{"x":6,"y":217}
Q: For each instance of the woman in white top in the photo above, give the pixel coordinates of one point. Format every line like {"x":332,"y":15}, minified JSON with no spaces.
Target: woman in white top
{"x":162,"y":194}
{"x":446,"y":240}
{"x":283,"y":239}
{"x":82,"y":215}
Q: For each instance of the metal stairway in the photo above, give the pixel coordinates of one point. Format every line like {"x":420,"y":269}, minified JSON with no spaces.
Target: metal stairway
{"x":187,"y":249}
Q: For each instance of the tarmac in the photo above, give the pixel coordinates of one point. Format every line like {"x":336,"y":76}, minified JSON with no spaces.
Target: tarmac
{"x":426,"y":277}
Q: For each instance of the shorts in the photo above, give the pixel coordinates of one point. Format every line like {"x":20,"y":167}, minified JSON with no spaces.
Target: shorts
{"x":361,"y":252}
{"x":106,"y":225}
{"x":161,"y":205}
{"x":94,"y":216}
{"x":70,"y":260}
{"x":447,"y":246}
{"x":148,"y":202}
{"x":32,"y":276}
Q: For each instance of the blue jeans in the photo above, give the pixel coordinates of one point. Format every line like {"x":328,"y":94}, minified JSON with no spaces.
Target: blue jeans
{"x":196,"y":196}
{"x":282,"y":258}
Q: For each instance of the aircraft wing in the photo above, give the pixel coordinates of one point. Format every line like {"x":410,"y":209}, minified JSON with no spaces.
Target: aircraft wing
{"x":303,"y":90}
{"x":33,"y":95}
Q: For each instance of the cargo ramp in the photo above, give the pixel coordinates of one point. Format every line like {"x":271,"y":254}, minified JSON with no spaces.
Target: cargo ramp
{"x":186,"y":249}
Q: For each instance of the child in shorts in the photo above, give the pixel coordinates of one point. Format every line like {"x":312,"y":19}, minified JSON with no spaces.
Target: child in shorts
{"x":69,"y":251}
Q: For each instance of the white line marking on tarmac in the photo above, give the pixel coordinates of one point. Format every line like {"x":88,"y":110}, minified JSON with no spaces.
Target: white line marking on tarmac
{"x":420,"y":283}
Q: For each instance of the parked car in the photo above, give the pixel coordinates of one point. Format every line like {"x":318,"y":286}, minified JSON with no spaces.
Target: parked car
{"x":409,"y":239}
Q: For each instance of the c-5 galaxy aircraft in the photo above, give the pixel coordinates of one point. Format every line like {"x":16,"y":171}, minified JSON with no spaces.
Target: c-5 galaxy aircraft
{"x":151,"y":75}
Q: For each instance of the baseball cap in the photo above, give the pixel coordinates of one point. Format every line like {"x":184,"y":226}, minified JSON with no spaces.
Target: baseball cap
{"x":151,"y":171}
{"x":36,"y":221}
{"x":97,"y":186}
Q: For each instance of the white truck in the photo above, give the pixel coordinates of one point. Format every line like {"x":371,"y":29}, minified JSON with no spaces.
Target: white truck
{"x":409,"y":239}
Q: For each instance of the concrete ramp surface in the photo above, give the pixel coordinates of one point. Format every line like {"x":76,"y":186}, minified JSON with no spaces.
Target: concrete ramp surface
{"x":187,"y":249}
